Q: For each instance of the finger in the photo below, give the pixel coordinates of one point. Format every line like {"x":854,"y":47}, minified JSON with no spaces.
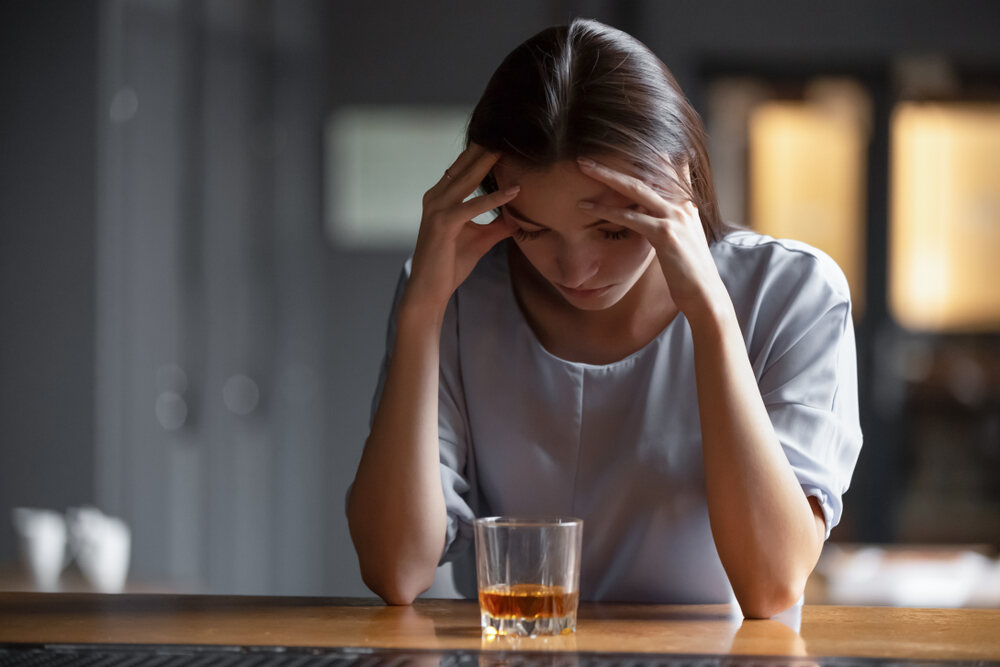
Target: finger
{"x":483,"y":203}
{"x":461,"y":163}
{"x":467,"y":157}
{"x":639,"y":221}
{"x":466,"y":179}
{"x":629,"y":186}
{"x":487,"y":236}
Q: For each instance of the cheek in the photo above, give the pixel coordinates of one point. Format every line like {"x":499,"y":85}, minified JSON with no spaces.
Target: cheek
{"x":630,"y":255}
{"x":538,"y":253}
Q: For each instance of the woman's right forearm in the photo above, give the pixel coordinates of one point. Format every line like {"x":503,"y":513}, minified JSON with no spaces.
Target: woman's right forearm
{"x":396,"y":508}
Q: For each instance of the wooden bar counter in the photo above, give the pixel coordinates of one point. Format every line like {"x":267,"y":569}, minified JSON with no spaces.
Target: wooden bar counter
{"x":869,"y":632}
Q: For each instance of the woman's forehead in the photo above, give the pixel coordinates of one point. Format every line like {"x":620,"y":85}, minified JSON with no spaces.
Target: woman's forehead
{"x":514,"y":165}
{"x":560,"y":180}
{"x":549,"y":196}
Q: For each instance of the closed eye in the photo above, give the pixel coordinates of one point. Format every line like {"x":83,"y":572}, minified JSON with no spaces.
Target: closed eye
{"x":616,"y":235}
{"x":519,"y":232}
{"x":524,"y":235}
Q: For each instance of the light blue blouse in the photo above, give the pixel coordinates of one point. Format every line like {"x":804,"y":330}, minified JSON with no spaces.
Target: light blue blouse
{"x":523,"y":432}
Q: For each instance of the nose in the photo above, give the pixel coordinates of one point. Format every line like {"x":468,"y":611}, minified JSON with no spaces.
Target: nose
{"x":577,"y":264}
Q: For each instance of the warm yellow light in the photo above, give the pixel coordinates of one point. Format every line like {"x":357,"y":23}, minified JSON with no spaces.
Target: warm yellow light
{"x":944,"y":269}
{"x":807,"y":176}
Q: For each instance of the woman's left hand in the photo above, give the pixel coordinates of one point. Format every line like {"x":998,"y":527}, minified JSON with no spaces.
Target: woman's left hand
{"x":673,"y":228}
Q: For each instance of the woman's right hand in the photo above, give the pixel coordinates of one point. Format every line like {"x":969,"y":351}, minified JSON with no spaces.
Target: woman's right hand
{"x":449,"y":244}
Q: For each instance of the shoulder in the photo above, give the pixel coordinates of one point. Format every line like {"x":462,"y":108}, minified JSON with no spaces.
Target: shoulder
{"x":781,"y":288}
{"x":751,"y":261}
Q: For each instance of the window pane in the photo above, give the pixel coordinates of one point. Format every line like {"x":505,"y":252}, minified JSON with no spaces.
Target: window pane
{"x":379,"y":162}
{"x":807,"y":180}
{"x":945,"y":217}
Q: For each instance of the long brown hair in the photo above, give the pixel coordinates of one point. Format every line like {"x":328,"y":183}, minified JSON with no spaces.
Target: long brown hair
{"x":588,"y":89}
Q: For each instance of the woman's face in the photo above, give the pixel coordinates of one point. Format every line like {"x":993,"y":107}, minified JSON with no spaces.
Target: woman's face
{"x":590,"y":262}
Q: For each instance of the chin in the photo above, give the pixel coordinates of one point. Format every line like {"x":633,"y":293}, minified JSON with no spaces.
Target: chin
{"x":601,"y":302}
{"x":592,"y":307}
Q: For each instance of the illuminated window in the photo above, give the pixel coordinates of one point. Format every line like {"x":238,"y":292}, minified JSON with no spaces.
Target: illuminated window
{"x":807,"y":173}
{"x":790,"y":161}
{"x":944,"y":273}
{"x":379,"y":161}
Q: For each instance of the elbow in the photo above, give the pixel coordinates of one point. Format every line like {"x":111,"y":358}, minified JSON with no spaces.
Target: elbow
{"x":395,"y":564}
{"x":396,"y":587}
{"x":768,"y":599}
{"x":397,"y":580}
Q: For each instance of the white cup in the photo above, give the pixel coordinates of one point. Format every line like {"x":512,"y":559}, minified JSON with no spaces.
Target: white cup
{"x":42,"y":543}
{"x":102,"y":546}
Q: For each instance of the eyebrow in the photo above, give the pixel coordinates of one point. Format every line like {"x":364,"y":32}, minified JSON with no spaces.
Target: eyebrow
{"x":524,"y":218}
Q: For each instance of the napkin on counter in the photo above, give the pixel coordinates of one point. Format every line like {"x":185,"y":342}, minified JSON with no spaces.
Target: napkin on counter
{"x":910,"y":576}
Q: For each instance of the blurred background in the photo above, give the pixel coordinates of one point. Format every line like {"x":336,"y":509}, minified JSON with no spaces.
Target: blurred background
{"x":205,"y":205}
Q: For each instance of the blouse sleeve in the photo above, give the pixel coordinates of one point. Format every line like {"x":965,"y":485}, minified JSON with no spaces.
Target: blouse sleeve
{"x":452,"y":431}
{"x":807,"y":374}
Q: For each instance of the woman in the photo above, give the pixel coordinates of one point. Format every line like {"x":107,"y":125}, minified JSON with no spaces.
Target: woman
{"x":607,"y":348}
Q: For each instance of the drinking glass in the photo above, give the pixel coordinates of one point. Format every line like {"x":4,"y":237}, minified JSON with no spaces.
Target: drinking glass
{"x":528,"y":571}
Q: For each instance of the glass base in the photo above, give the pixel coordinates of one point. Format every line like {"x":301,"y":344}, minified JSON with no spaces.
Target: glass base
{"x":528,"y":627}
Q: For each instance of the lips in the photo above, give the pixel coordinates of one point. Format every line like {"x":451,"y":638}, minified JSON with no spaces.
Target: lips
{"x":583,"y":293}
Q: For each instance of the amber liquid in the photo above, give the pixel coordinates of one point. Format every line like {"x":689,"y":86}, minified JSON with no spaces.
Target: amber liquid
{"x":528,"y":601}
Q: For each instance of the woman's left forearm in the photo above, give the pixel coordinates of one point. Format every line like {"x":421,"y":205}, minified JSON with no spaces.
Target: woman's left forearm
{"x":767,"y":532}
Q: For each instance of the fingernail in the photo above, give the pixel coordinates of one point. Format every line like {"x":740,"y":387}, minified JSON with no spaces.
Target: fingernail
{"x":585,"y":162}
{"x":586,"y":204}
{"x":513,"y":190}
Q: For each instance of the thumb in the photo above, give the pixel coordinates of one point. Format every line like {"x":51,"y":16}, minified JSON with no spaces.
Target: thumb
{"x":488,"y":236}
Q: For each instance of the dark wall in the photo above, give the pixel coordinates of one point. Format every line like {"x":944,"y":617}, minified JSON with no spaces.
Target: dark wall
{"x":854,"y":31}
{"x":445,"y":51}
{"x":48,"y":93}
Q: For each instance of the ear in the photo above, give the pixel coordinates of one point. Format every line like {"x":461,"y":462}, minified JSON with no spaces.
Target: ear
{"x":500,"y":173}
{"x":489,"y":183}
{"x":497,"y":177}
{"x":506,"y":172}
